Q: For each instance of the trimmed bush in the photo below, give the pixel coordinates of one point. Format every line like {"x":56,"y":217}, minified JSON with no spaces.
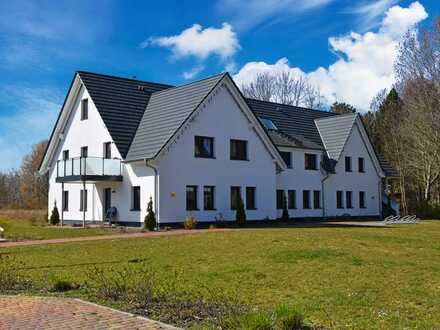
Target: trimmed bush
{"x":190,"y":223}
{"x":150,"y":218}
{"x":240,"y":215}
{"x":55,"y":216}
{"x":57,"y":284}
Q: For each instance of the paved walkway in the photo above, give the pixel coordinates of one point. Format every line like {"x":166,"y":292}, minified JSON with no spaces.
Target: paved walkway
{"x":49,"y":313}
{"x":174,"y":232}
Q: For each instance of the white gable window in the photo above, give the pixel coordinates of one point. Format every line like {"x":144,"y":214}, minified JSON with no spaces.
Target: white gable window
{"x":204,"y":147}
{"x":238,"y":149}
{"x":84,"y":109}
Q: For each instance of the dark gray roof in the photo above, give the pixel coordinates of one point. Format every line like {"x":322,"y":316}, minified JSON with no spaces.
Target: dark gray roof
{"x":334,"y":132}
{"x":294,"y":121}
{"x":386,"y":167}
{"x":282,"y":139}
{"x":121,"y":102}
{"x":165,"y":114}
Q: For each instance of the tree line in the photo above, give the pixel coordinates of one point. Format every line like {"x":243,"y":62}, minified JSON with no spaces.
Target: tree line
{"x":403,"y":122}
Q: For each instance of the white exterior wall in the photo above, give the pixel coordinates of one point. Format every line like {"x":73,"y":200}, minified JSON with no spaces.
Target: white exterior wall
{"x":221,"y":119}
{"x":299,"y":179}
{"x":354,"y":181}
{"x":93,"y":134}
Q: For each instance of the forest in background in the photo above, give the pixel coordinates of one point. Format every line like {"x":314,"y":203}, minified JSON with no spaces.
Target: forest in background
{"x":403,"y":124}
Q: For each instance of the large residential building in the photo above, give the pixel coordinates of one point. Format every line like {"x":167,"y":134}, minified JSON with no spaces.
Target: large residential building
{"x":196,"y":149}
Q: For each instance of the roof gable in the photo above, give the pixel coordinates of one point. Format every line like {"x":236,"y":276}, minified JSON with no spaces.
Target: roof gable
{"x":165,"y":113}
{"x":334,"y":132}
{"x":121,"y":102}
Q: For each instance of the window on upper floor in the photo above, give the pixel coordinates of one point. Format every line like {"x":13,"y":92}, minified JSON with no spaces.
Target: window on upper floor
{"x":349,"y":199}
{"x":291,"y":199}
{"x":204,"y":147}
{"x":107,"y":150}
{"x":238,"y":150}
{"x":306,"y":199}
{"x":84,"y":109}
{"x":339,"y":200}
{"x":287,"y":157}
{"x":208,"y":197}
{"x":65,"y":154}
{"x":250,"y":198}
{"x":191,"y":198}
{"x":310,"y":162}
{"x":361,"y":165}
{"x":136,"y":198}
{"x":347,"y":164}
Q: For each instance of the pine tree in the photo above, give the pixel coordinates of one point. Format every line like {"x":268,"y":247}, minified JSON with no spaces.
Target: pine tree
{"x":240,"y":215}
{"x":285,"y":214}
{"x":150,"y":218}
{"x":55,"y":216}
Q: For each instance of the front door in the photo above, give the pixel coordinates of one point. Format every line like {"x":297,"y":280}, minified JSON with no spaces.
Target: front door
{"x":107,"y":200}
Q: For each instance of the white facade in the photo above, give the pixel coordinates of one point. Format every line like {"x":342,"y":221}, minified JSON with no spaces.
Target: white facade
{"x":222,"y":118}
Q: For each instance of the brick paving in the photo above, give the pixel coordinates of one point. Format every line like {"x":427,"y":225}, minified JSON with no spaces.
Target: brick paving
{"x":110,"y":237}
{"x":50,"y":313}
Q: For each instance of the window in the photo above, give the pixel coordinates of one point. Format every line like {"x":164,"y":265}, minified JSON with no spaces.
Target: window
{"x":267,"y":123}
{"x":238,"y":150}
{"x":361,"y":165}
{"x":235,"y":197}
{"x":310,"y":161}
{"x":348,"y":199}
{"x":136,"y":198}
{"x":204,"y":147}
{"x":84,"y":109}
{"x":316,"y":199}
{"x":107,"y":150}
{"x":339,"y":200}
{"x":208,"y":197}
{"x":362,"y":200}
{"x":291,"y":199}
{"x":280,"y":199}
{"x":83,"y":200}
{"x":287,"y":156}
{"x":65,"y":200}
{"x":306,"y":199}
{"x":250,"y":198}
{"x":65,"y":154}
{"x":191,"y":198}
{"x":347,"y":164}
{"x":84,"y":152}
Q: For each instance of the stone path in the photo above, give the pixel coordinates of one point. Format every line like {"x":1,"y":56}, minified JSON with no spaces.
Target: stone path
{"x":110,"y":237}
{"x":49,"y":313}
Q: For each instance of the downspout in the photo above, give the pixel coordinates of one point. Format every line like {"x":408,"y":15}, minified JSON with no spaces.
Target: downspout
{"x":156,"y":190}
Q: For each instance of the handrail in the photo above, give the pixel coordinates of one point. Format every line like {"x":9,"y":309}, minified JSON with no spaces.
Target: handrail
{"x":82,"y":166}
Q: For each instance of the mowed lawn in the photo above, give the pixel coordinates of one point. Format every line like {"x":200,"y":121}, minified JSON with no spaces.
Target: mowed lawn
{"x":363,"y":278}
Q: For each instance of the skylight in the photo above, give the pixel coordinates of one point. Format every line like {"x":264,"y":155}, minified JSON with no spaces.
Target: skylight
{"x":268,"y":123}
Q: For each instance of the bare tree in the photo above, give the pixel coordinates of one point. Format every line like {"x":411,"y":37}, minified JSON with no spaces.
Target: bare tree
{"x":262,"y":88}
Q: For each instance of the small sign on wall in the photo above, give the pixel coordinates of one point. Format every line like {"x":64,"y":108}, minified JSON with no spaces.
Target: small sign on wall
{"x":173,"y":194}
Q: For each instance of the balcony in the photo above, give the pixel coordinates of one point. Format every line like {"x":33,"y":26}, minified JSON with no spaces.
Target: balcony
{"x":82,"y":169}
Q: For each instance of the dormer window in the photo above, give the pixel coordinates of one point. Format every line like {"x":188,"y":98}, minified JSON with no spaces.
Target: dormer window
{"x":84,"y":109}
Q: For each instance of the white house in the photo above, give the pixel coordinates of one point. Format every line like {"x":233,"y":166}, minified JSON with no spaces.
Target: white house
{"x":193,"y":149}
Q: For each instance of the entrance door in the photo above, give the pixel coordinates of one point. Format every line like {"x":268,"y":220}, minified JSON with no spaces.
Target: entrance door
{"x":107,"y":200}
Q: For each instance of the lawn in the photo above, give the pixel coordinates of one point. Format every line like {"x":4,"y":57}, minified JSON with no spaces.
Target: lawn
{"x":362,"y":278}
{"x":20,"y":229}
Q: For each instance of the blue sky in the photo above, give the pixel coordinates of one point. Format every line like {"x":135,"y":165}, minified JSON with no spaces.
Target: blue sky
{"x":345,"y":48}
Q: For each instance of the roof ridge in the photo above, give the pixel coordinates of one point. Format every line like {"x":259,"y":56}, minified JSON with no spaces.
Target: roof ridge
{"x":293,"y":106}
{"x":339,"y":115}
{"x":190,"y":83}
{"x":124,"y":78}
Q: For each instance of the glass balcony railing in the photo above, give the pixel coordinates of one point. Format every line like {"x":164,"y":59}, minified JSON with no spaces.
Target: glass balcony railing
{"x":89,"y":166}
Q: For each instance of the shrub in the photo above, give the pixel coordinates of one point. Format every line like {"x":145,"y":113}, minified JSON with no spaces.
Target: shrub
{"x":57,"y":284}
{"x":285,"y":214}
{"x":150,"y":218}
{"x":55,"y":216}
{"x":190,"y":223}
{"x":240,"y":215}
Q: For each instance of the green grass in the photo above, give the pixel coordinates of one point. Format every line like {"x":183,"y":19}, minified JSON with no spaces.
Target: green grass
{"x":362,"y":278}
{"x":17,"y":230}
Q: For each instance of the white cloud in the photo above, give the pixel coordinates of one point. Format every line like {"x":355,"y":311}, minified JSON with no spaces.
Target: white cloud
{"x":365,"y":61}
{"x":193,"y":72}
{"x":371,"y":12}
{"x":246,"y":14}
{"x":29,"y":122}
{"x":200,"y":43}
